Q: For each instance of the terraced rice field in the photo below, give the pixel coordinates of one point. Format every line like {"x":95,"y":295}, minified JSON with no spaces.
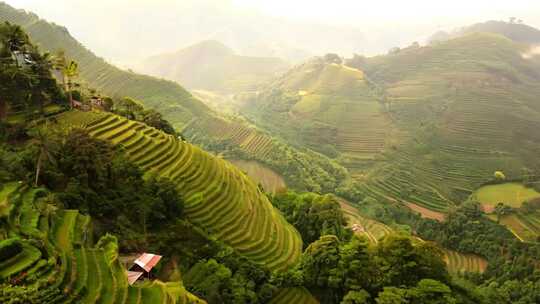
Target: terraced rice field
{"x":362,"y":129}
{"x":526,"y":227}
{"x":250,"y":140}
{"x":460,"y":262}
{"x":465,"y":120}
{"x":57,"y":263}
{"x":363,"y":226}
{"x":511,"y":194}
{"x":374,"y":230}
{"x":294,"y":296}
{"x":408,"y":186}
{"x":271,"y":181}
{"x":217,"y":195}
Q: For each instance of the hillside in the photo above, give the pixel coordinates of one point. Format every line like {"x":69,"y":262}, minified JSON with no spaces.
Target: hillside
{"x":515,"y":30}
{"x":217,"y":195}
{"x":210,"y":65}
{"x":427,"y":125}
{"x":177,"y":104}
{"x":49,"y":256}
{"x":374,"y":231}
{"x":469,"y":105}
{"x":328,"y":107}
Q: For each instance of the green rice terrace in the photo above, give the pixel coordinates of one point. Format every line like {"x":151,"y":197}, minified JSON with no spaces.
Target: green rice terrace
{"x":294,"y":295}
{"x":48,"y":254}
{"x":373,"y":230}
{"x":217,"y":195}
{"x":322,"y":104}
{"x":253,"y":142}
{"x":266,"y":177}
{"x":451,"y":98}
{"x":526,"y":227}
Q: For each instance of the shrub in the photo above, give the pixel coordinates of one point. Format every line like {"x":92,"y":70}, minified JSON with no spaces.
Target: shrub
{"x":10,"y":248}
{"x":499,"y":176}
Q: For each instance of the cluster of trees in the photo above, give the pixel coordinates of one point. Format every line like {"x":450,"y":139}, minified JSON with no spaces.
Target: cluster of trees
{"x":513,"y":273}
{"x":25,"y":74}
{"x":511,"y":262}
{"x":396,"y":270}
{"x":90,"y":175}
{"x":313,"y":215}
{"x":134,"y":110}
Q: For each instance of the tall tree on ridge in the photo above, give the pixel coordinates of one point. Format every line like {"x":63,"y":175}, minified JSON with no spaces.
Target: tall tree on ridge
{"x":69,"y":69}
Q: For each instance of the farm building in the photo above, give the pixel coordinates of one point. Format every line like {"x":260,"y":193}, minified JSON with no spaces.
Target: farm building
{"x":142,"y":267}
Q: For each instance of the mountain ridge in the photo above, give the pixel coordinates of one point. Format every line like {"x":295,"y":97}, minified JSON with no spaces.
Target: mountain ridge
{"x":210,"y":65}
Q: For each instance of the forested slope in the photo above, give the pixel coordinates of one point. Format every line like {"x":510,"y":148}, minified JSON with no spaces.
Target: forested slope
{"x":177,"y":104}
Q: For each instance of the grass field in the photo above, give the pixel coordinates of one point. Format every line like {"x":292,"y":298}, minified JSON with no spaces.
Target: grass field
{"x":511,"y":194}
{"x":218,"y":196}
{"x":56,"y":266}
{"x":271,"y":181}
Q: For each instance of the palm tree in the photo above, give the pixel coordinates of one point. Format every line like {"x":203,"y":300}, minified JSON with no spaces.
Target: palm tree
{"x":46,"y":150}
{"x":69,"y":70}
{"x":16,"y":41}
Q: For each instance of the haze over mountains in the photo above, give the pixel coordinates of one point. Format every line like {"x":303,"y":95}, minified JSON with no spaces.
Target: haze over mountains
{"x":292,"y":31}
{"x":210,"y":65}
{"x":411,"y":176}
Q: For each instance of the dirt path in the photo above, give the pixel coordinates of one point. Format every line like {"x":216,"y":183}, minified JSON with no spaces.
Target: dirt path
{"x":426,"y":213}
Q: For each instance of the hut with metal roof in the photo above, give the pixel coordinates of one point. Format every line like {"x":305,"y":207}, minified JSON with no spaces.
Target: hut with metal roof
{"x":142,"y":267}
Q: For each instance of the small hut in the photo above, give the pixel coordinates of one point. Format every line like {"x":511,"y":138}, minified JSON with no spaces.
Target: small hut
{"x":142,"y":267}
{"x":97,"y":102}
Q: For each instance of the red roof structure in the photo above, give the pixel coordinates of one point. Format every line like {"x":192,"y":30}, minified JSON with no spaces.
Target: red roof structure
{"x":133,"y":276}
{"x":147,"y":261}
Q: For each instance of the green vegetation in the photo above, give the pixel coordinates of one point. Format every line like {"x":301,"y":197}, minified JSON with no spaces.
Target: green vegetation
{"x":328,"y":107}
{"x":167,"y":97}
{"x":356,"y":272}
{"x":209,"y":65}
{"x":24,"y":67}
{"x":216,"y":194}
{"x":269,"y":180}
{"x":294,"y":295}
{"x":310,"y":171}
{"x":313,"y":215}
{"x":53,"y":264}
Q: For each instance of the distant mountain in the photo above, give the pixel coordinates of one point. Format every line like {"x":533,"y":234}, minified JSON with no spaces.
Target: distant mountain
{"x":177,"y":104}
{"x":210,"y":65}
{"x":516,"y":31}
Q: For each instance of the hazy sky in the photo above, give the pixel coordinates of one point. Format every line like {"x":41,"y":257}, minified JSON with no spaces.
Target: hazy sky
{"x":112,"y":27}
{"x":397,"y":11}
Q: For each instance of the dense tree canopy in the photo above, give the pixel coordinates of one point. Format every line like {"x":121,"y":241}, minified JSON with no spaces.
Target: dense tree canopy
{"x":313,"y":215}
